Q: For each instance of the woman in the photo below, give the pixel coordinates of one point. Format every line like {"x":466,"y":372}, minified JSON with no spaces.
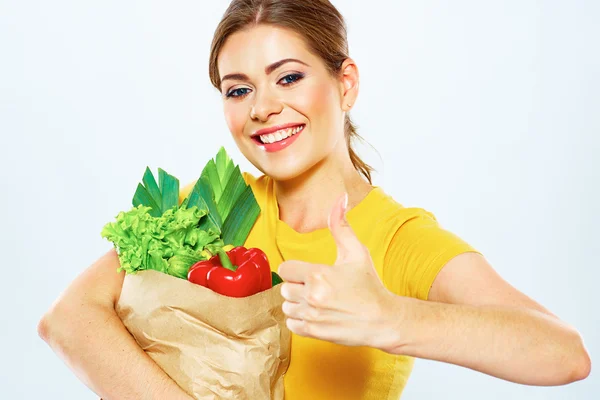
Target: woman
{"x":370,"y":284}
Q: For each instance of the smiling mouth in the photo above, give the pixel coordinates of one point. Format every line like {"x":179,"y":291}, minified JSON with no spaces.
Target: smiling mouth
{"x":279,"y":135}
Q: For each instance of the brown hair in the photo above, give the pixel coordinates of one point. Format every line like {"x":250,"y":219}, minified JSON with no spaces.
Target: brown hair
{"x":318,"y":21}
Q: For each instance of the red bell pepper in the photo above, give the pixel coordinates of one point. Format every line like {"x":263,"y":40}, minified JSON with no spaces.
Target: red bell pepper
{"x":238,"y":273}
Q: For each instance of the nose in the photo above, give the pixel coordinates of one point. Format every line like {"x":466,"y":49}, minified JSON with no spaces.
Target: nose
{"x":265,"y":105}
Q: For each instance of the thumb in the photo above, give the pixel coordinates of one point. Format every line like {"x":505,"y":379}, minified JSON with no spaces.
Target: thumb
{"x":349,"y":248}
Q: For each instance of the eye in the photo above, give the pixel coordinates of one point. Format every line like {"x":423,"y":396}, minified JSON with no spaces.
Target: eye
{"x":239,"y":92}
{"x":290,"y":79}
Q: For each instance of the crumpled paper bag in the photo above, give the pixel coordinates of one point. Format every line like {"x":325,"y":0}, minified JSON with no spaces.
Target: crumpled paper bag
{"x":213,"y":346}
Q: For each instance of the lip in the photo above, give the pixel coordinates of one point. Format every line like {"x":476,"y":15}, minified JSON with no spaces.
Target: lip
{"x":266,"y":131}
{"x":280,"y":145}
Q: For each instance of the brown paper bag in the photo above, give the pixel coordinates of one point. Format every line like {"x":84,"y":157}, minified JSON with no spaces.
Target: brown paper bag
{"x":213,"y":346}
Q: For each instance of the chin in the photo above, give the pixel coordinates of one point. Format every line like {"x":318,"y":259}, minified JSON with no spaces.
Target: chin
{"x":282,"y":176}
{"x":284,"y":169}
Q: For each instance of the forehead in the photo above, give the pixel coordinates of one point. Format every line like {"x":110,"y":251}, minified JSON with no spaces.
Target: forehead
{"x":252,"y":49}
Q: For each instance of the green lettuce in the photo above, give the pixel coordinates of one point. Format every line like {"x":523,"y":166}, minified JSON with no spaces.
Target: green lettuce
{"x":170,"y":243}
{"x":163,"y":235}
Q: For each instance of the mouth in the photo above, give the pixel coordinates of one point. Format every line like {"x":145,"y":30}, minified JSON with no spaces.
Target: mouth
{"x":272,"y":141}
{"x":278,"y":135}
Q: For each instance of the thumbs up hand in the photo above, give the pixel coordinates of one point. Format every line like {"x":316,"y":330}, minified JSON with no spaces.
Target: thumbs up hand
{"x":345,"y":303}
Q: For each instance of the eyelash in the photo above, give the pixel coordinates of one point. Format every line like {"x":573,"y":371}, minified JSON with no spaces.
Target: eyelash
{"x":297,"y":77}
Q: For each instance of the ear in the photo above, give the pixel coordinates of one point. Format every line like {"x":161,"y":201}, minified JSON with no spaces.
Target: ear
{"x":349,"y":84}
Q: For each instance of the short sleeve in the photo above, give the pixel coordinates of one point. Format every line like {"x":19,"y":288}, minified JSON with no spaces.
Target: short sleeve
{"x":418,"y":251}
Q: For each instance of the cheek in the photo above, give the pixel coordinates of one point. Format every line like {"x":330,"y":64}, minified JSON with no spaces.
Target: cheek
{"x":318,"y":103}
{"x":235,"y":118}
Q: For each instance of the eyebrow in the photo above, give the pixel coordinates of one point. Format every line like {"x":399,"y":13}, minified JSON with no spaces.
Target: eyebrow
{"x":269,"y":68}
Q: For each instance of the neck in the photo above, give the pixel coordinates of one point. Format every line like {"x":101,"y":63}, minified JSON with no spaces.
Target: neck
{"x":306,"y":201}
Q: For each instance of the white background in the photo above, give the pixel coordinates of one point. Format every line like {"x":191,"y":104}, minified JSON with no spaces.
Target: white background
{"x":485,"y":113}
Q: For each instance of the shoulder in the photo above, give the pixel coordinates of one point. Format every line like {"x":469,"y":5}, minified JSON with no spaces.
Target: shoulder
{"x":402,"y":231}
{"x":382,"y":210}
{"x":379,"y":217}
{"x":417,"y":247}
{"x":416,"y":227}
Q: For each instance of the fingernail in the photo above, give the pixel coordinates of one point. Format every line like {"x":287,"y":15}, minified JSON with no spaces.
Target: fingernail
{"x":345,"y":205}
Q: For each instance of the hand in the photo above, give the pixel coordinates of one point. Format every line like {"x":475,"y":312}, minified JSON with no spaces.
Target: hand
{"x":345,"y":303}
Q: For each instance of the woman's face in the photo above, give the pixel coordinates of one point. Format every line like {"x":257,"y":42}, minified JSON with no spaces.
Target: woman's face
{"x":283,"y":107}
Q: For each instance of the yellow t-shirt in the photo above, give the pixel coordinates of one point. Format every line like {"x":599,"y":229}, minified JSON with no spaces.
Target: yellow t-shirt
{"x":408,"y":249}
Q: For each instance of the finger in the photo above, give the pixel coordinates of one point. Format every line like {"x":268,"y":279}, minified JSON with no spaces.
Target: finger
{"x":349,"y":247}
{"x":335,"y":333}
{"x":296,"y":310}
{"x":305,"y":312}
{"x":297,"y":326}
{"x":296,"y":271}
{"x":315,"y":292}
{"x":294,"y":292}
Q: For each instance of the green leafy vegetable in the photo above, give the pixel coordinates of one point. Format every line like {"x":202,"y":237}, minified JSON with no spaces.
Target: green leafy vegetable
{"x":152,"y":187}
{"x":170,"y":243}
{"x":202,"y":196}
{"x":159,"y":197}
{"x":169,"y":189}
{"x":143,"y":198}
{"x":210,"y":172}
{"x":225,"y":167}
{"x":163,"y":235}
{"x":241,"y":219}
{"x":233,"y":190}
{"x":232,"y":207}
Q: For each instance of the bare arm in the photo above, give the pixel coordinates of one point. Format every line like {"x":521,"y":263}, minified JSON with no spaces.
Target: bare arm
{"x":82,"y":327}
{"x":477,"y":320}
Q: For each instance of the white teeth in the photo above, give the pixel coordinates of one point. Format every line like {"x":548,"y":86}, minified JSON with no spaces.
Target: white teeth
{"x":280,"y":134}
